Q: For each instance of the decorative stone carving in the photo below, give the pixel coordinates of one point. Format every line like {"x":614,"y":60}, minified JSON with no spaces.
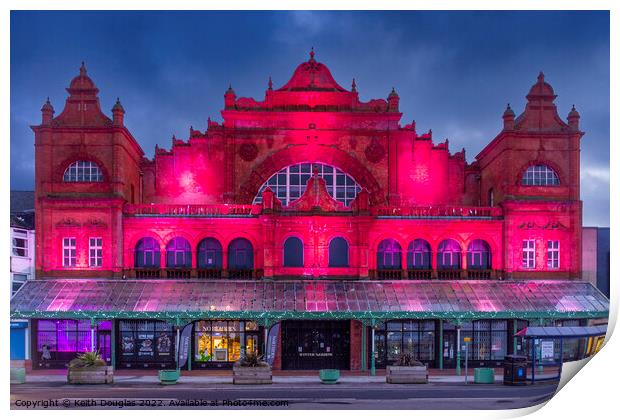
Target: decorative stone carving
{"x":550,"y":225}
{"x":374,"y":151}
{"x":68,"y":222}
{"x":248,"y":151}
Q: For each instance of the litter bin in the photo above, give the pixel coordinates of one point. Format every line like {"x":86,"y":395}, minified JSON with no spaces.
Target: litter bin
{"x":515,"y":370}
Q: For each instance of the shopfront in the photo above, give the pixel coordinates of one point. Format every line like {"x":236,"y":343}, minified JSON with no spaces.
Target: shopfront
{"x":393,"y":338}
{"x":57,"y":341}
{"x":145,"y":344}
{"x":220,"y":343}
{"x":315,"y":345}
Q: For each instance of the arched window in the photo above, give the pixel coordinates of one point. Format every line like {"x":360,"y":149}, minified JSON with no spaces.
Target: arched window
{"x":338,"y":252}
{"x":388,"y":255}
{"x":178,"y":253}
{"x":147,"y":253}
{"x":240,"y":254}
{"x":419,"y":255}
{"x":479,"y":255}
{"x":290,"y":183}
{"x":83,"y":171}
{"x":209,"y":253}
{"x":293,"y":252}
{"x":449,"y":255}
{"x":540,"y":175}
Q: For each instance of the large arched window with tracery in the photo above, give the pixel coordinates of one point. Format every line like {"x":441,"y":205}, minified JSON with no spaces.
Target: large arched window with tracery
{"x":290,"y":183}
{"x":479,"y":255}
{"x":449,"y":255}
{"x":147,"y":254}
{"x":419,"y":255}
{"x":389,"y":255}
{"x":178,"y":253}
{"x":83,"y":171}
{"x":209,"y":253}
{"x":540,"y":175}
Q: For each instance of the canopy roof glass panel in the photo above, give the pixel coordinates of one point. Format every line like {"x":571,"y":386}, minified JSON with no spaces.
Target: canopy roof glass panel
{"x":194,"y":299}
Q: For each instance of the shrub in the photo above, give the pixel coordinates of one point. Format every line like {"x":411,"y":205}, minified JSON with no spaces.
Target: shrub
{"x":88,"y":359}
{"x":407,"y":359}
{"x":252,"y":359}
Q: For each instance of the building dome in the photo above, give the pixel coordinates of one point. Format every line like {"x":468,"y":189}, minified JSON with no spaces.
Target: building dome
{"x":312,"y":75}
{"x":82,"y":82}
{"x":541,"y":89}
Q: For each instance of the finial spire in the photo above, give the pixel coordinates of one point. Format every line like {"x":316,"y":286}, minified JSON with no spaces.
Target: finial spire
{"x":83,"y":69}
{"x":312,"y":54}
{"x":270,"y":83}
{"x":541,"y":77}
{"x":353,"y":86}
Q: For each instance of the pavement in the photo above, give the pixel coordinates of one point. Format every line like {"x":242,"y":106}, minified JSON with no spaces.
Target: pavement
{"x":290,"y":390}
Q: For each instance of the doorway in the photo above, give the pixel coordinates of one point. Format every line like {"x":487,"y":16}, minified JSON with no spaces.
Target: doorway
{"x":315,"y":345}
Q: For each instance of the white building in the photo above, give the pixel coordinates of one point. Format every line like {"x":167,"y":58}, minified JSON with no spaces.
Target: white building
{"x":22,"y":238}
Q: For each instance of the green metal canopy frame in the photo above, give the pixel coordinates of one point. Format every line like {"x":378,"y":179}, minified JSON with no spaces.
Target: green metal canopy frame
{"x":182,"y":301}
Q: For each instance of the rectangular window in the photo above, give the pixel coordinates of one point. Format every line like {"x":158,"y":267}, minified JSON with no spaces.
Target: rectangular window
{"x":20,"y":247}
{"x":95,"y":252}
{"x":18,"y":282}
{"x":68,"y":252}
{"x":553,"y":255}
{"x":529,"y":253}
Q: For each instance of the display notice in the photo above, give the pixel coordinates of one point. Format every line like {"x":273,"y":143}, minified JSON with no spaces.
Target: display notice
{"x":546,"y":349}
{"x":186,"y":336}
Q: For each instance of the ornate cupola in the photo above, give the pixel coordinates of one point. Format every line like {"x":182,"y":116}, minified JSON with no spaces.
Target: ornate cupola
{"x":312,"y":76}
{"x":393,"y":101}
{"x":47,"y":113}
{"x":540,"y":113}
{"x":118,"y":113}
{"x":82,"y":106}
{"x":509,"y":118}
{"x":573,"y":118}
{"x":229,"y":97}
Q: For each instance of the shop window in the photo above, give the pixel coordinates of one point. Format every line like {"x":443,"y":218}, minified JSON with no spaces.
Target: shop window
{"x":529,"y":253}
{"x":553,"y":255}
{"x":209,"y":254}
{"x":69,"y":253}
{"x":146,"y":343}
{"x":479,"y":255}
{"x":488,"y":339}
{"x":83,"y":171}
{"x":389,"y":255}
{"x":95,"y":252}
{"x":449,"y":255}
{"x":540,"y":175}
{"x":147,"y":254}
{"x":178,"y":253}
{"x":413,"y":337}
{"x":224,"y":341}
{"x":338,"y":252}
{"x":293,"y":252}
{"x":240,"y":255}
{"x":290,"y":183}
{"x":419,"y":255}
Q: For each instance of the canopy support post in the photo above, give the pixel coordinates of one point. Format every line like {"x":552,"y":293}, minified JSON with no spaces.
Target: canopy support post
{"x":364,"y":347}
{"x":440,"y":344}
{"x":458,"y":349}
{"x":514,"y":336}
{"x":373,"y":370}
{"x":93,"y":323}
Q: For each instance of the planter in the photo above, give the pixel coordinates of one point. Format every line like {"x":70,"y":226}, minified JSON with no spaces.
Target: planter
{"x":329,"y":376}
{"x":169,"y":377}
{"x":90,"y":375}
{"x":484,"y":376}
{"x":260,"y":375}
{"x":18,"y":371}
{"x":406,"y":375}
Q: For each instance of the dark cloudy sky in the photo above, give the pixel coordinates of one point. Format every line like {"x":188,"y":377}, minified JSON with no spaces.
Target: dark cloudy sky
{"x":454,"y":71}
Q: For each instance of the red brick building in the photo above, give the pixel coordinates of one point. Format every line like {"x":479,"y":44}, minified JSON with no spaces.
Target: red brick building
{"x":309,"y":188}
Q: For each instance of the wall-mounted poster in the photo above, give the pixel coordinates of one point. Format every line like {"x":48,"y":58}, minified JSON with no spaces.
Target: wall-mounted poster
{"x":127,"y":344}
{"x":164,"y":343}
{"x":145,"y":345}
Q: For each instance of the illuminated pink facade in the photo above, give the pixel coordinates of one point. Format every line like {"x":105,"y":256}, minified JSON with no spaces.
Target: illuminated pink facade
{"x":405,"y":206}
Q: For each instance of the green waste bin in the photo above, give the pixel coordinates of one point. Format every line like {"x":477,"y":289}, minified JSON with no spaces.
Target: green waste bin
{"x":484,"y":376}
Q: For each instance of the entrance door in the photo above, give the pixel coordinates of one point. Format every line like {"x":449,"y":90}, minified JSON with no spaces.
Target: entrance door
{"x":449,"y":349}
{"x":315,"y":345}
{"x":103,"y":345}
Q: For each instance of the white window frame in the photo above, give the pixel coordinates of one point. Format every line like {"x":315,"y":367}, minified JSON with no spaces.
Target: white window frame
{"x":95,"y":251}
{"x":540,"y":175}
{"x":69,"y":251}
{"x":528,"y":261}
{"x":553,"y":255}
{"x":15,"y":247}
{"x":83,"y":171}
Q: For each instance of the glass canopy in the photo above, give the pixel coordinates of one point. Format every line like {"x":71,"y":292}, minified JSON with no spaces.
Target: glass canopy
{"x":176,"y":299}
